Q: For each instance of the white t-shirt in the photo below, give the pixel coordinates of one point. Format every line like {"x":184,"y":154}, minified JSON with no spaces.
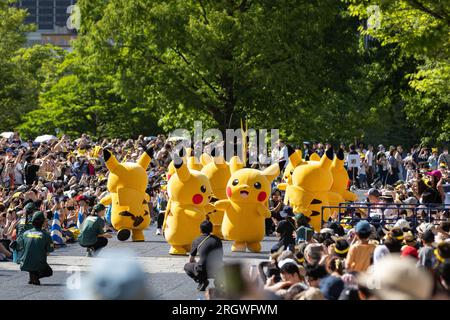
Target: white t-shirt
{"x":369,"y":158}
{"x":18,"y":177}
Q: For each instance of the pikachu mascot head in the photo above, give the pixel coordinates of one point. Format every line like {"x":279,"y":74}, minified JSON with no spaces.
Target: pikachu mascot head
{"x":310,"y":188}
{"x":245,"y":209}
{"x":189,"y":193}
{"x":295,"y":160}
{"x":338,"y":192}
{"x":127,"y":183}
{"x":192,"y":162}
{"x":218,"y":173}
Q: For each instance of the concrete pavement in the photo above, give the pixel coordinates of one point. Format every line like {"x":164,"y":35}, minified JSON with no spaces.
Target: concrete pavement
{"x":166,"y":278}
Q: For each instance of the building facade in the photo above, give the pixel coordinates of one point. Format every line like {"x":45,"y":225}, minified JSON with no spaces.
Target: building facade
{"x":50,"y":18}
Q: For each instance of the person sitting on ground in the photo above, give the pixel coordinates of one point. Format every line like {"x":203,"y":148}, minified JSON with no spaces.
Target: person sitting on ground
{"x":92,"y":232}
{"x":36,"y":244}
{"x":210,"y":251}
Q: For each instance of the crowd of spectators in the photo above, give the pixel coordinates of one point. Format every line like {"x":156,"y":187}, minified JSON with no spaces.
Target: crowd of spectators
{"x":347,"y":259}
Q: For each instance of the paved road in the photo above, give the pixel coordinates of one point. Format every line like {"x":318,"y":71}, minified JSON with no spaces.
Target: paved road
{"x":166,"y":278}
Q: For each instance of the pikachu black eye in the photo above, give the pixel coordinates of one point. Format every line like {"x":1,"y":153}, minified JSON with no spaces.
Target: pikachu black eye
{"x":257,"y":185}
{"x":144,"y":202}
{"x":292,"y":172}
{"x":235,"y":182}
{"x":203,"y":189}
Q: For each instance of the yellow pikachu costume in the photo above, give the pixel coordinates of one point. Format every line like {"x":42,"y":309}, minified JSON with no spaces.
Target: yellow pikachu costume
{"x":189,"y":192}
{"x":127,"y":183}
{"x":295,"y":160}
{"x":310,"y":188}
{"x":339,"y":192}
{"x":245,"y":210}
{"x":218,"y":173}
{"x":192,"y":163}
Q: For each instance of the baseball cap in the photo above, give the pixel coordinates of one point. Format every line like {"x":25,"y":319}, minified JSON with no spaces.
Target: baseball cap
{"x":301,"y":218}
{"x":331,"y":287}
{"x":434,"y":173}
{"x":287,"y":212}
{"x":363,"y":227}
{"x":30,"y":207}
{"x":81,"y":198}
{"x":373,"y":192}
{"x":99,"y":207}
{"x":38,"y":216}
{"x":409,"y":251}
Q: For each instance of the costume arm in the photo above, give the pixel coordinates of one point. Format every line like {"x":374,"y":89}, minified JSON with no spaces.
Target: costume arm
{"x":106,"y":200}
{"x":263,"y":211}
{"x":222,"y":205}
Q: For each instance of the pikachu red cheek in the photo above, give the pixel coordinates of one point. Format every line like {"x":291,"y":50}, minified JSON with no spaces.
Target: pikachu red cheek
{"x":262,"y":196}
{"x":197,"y":199}
{"x":168,"y":177}
{"x":229,"y":192}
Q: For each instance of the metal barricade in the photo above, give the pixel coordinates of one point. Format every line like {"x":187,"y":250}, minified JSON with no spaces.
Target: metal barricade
{"x":387,"y":213}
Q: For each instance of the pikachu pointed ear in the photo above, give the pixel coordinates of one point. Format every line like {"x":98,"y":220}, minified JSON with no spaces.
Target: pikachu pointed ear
{"x":339,"y":159}
{"x":111,"y":162}
{"x":294,"y":157}
{"x":300,"y":153}
{"x":205,"y":159}
{"x":327,"y":158}
{"x":181,"y":168}
{"x":146,"y":158}
{"x":272,"y":171}
{"x":314,"y":157}
{"x":235,"y":164}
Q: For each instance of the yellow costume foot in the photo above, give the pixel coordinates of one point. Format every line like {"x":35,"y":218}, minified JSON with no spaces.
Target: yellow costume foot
{"x":138,"y":236}
{"x":254,"y":246}
{"x":177,"y":250}
{"x":123,"y":234}
{"x":238,"y":247}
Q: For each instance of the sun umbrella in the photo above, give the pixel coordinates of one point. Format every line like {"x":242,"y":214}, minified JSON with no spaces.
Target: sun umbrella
{"x":7,"y":135}
{"x":45,"y":138}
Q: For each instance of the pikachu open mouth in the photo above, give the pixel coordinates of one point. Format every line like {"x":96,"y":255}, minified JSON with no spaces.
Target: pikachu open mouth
{"x":244,"y":194}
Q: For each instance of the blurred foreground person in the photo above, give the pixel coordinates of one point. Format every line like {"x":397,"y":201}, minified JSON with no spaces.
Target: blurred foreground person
{"x":396,"y":278}
{"x":36,"y":245}
{"x":126,"y":280}
{"x":235,"y":282}
{"x":210,"y":251}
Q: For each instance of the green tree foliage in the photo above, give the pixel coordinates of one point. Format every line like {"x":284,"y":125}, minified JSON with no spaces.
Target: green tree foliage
{"x":284,"y":64}
{"x":420,"y":29}
{"x":22,"y":70}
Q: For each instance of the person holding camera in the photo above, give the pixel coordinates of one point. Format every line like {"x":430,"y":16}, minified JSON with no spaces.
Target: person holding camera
{"x":210,"y":251}
{"x":92,"y":232}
